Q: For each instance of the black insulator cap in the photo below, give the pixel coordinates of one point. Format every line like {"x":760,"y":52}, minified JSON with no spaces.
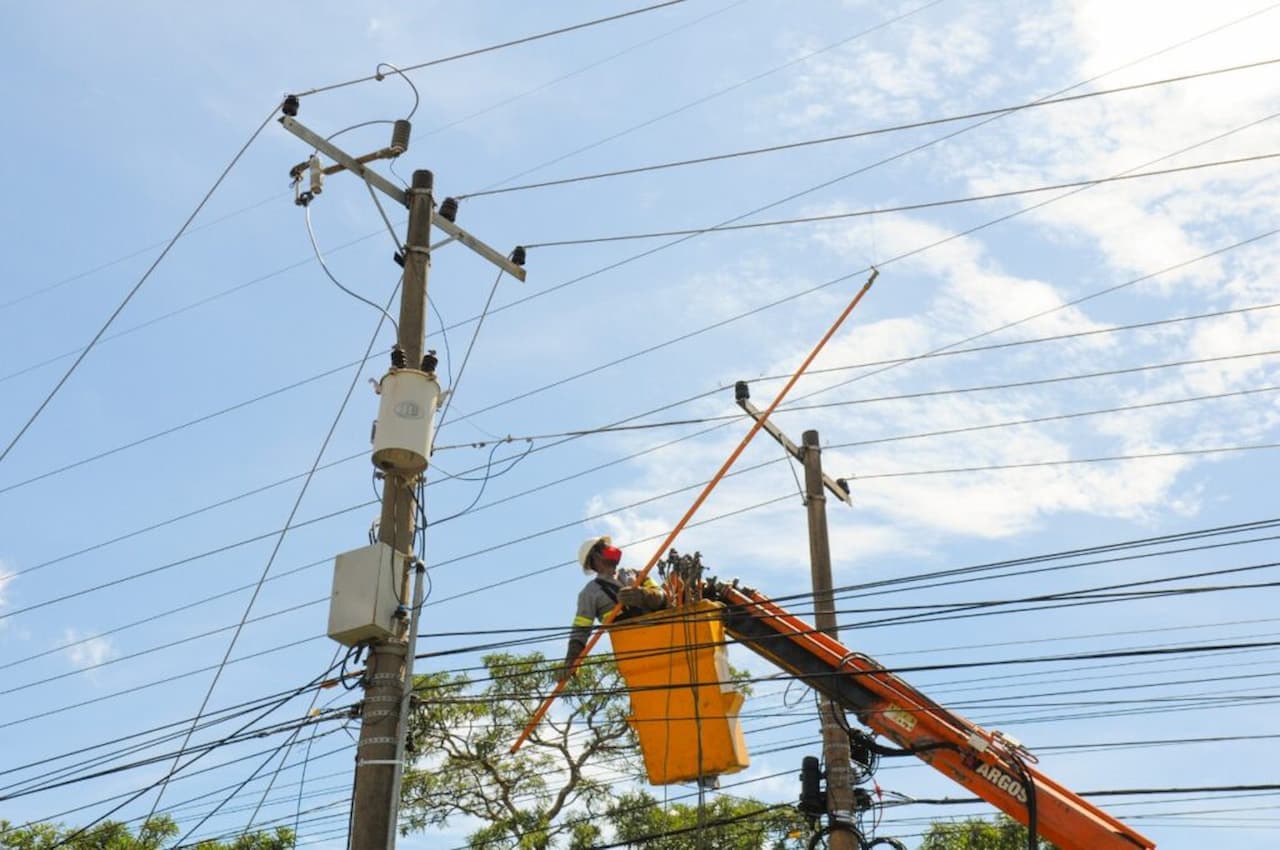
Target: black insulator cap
{"x":740,"y":391}
{"x":517,"y":256}
{"x":843,"y":484}
{"x":398,"y":360}
{"x":430,"y":361}
{"x":290,"y":106}
{"x":449,"y":209}
{"x":399,"y":258}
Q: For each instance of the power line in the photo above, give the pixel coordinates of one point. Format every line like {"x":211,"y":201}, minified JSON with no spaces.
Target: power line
{"x":172,"y":771}
{"x":499,"y":104}
{"x":49,"y":712}
{"x":623,"y":427}
{"x":923,"y":205}
{"x":279,"y":541}
{"x":1065,"y":462}
{"x":144,"y":249}
{"x":180,"y":426}
{"x":862,"y":133}
{"x":189,"y":307}
{"x":157,"y":648}
{"x":500,"y":46}
{"x":133,"y":291}
{"x":846,"y":277}
{"x":1128,"y":408}
{"x":713,"y":95}
{"x":647,"y":252}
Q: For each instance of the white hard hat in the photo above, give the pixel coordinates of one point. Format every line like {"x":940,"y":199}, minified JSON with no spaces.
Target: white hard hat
{"x":585,"y":549}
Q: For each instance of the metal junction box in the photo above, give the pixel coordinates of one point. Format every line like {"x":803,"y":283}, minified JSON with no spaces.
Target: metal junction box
{"x":364,"y":602}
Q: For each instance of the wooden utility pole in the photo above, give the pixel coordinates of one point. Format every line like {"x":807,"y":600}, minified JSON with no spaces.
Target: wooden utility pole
{"x":373,"y":810}
{"x":835,"y":735}
{"x":405,"y":456}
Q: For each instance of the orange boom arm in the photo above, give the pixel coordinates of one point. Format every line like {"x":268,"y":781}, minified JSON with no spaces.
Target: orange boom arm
{"x":988,"y":764}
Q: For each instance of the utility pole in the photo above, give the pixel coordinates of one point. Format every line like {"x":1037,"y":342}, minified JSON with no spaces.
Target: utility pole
{"x":835,"y":735}
{"x":374,"y":807}
{"x":370,"y":605}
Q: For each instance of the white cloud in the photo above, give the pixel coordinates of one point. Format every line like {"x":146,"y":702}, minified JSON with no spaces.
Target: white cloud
{"x":6,"y":577}
{"x":85,"y":652}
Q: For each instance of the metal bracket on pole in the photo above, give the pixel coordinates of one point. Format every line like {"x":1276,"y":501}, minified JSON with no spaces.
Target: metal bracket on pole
{"x":838,"y":486}
{"x":400,"y":196}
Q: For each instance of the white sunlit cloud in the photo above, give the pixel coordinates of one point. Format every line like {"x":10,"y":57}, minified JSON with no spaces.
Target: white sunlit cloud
{"x":85,"y":652}
{"x":6,"y":578}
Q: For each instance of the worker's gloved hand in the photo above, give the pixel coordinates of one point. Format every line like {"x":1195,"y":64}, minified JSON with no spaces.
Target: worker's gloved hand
{"x":565,"y":670}
{"x":643,"y":598}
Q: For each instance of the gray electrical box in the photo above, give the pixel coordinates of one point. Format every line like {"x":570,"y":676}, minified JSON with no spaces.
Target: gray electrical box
{"x":364,"y":602}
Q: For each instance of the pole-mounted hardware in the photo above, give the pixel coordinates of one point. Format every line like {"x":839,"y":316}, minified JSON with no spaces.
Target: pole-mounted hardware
{"x":358,"y":166}
{"x":838,"y":487}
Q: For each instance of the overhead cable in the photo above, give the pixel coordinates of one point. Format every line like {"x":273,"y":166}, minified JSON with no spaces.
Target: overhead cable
{"x":923,"y":205}
{"x":493,"y":47}
{"x":84,"y":352}
{"x":620,"y":172}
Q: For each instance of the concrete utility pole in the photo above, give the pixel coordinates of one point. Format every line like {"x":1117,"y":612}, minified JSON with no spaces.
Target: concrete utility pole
{"x":370,"y":604}
{"x":374,"y":807}
{"x":835,"y":737}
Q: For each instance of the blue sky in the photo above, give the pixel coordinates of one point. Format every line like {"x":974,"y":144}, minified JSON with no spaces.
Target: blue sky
{"x":120,"y":119}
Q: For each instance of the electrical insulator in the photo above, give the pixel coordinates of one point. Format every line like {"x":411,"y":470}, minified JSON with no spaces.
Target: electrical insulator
{"x":740,"y":391}
{"x":290,"y":106}
{"x":813,"y":800}
{"x":449,"y":209}
{"x":400,"y":136}
{"x":517,"y":256}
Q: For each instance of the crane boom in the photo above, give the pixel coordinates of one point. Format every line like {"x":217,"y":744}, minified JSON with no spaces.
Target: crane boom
{"x":992,"y":766}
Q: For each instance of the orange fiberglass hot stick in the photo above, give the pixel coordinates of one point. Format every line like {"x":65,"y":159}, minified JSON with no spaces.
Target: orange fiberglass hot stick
{"x":697,"y":503}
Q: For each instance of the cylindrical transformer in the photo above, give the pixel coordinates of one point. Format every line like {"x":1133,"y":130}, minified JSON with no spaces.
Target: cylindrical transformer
{"x":406,"y":416}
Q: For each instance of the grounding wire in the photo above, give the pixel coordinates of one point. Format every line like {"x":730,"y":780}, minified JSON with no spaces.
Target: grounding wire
{"x":84,"y":352}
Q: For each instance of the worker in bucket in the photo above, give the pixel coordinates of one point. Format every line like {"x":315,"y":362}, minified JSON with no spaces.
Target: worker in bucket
{"x":608,"y":587}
